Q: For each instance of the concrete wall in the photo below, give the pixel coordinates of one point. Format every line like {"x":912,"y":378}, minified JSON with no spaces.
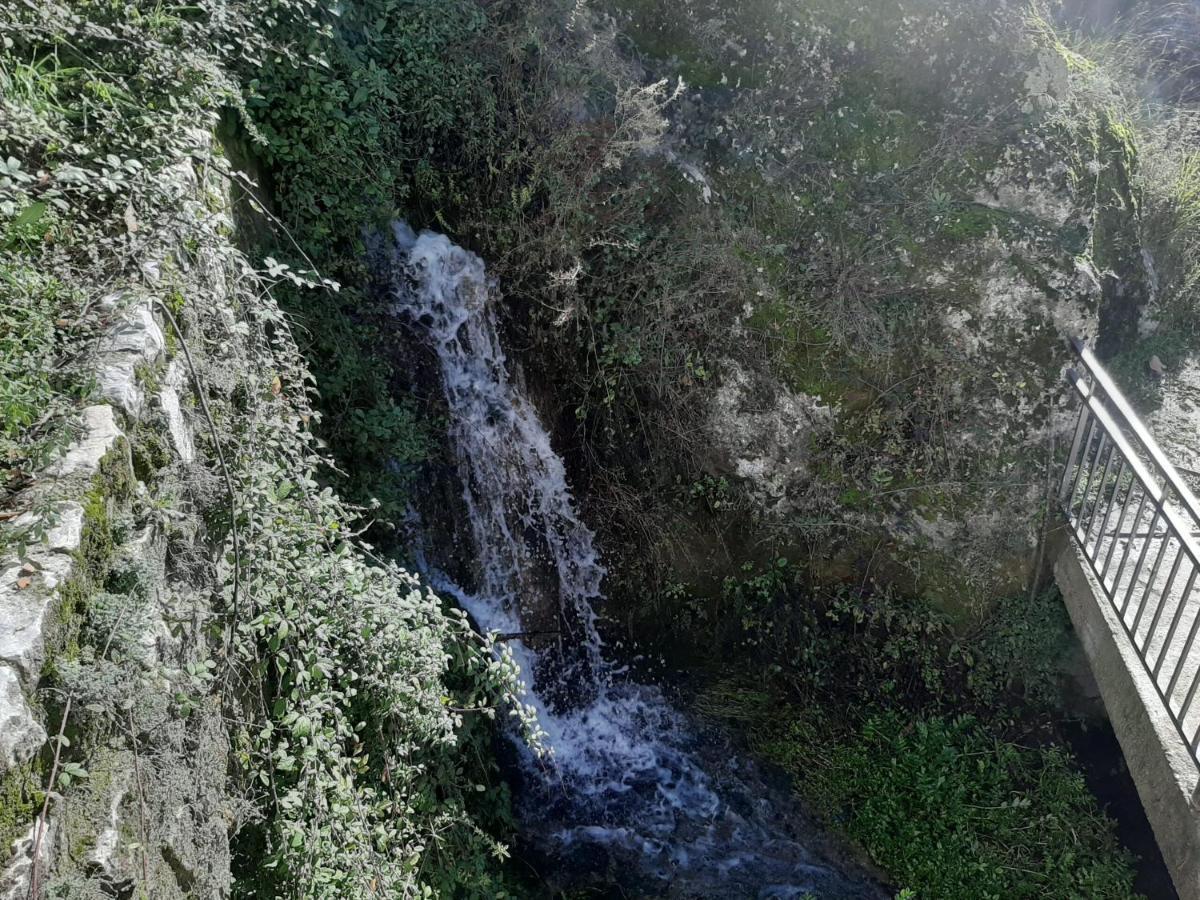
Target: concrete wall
{"x":1167,"y":779}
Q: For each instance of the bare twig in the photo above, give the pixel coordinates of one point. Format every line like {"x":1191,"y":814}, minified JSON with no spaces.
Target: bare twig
{"x":137,"y":775}
{"x":201,"y":395}
{"x":40,"y":826}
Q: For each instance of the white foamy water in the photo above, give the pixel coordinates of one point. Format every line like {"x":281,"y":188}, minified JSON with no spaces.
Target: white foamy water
{"x":633,"y":793}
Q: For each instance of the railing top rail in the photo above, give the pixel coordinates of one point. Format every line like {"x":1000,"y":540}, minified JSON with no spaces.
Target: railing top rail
{"x":1181,"y":531}
{"x":1170,"y":475}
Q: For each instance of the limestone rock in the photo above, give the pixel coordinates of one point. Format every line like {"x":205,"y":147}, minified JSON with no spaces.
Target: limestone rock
{"x":20,"y":734}
{"x":136,"y":340}
{"x":64,"y":534}
{"x":27,"y":589}
{"x":67,"y":532}
{"x":105,"y":856}
{"x":25,"y":606}
{"x":175,"y":383}
{"x":766,"y":434}
{"x":99,"y":434}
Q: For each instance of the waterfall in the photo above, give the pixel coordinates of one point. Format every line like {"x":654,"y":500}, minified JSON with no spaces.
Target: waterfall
{"x":633,"y":786}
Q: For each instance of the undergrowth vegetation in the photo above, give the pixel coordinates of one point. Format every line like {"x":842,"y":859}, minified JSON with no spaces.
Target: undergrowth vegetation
{"x":380,"y":696}
{"x":396,"y":106}
{"x":854,"y":237}
{"x":504,"y":127}
{"x":838,"y":647}
{"x":933,"y":749}
{"x":946,"y":806}
{"x":357,"y":706}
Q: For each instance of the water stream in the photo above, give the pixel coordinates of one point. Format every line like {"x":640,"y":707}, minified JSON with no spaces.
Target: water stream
{"x":635,"y":794}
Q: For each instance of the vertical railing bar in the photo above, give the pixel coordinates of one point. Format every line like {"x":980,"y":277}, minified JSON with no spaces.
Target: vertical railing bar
{"x":1087,"y":488}
{"x":1112,"y":499}
{"x":1085,"y":416}
{"x":1091,"y":519}
{"x":1132,"y":536}
{"x":1162,"y":551}
{"x":1164,"y":598}
{"x":1137,"y":569}
{"x":1081,"y":468}
{"x":1187,"y":701}
{"x":1187,"y":648}
{"x":1116,"y":539}
{"x":1081,"y":457}
{"x":1175,"y":620}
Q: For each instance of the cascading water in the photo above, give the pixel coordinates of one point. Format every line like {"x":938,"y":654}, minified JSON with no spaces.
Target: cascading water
{"x":630,"y":788}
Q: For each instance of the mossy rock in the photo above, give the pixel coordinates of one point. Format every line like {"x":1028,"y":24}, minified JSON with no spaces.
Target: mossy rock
{"x":110,"y":490}
{"x":22,"y":794}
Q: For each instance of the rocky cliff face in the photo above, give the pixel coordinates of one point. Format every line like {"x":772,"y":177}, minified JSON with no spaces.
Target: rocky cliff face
{"x":205,"y":675}
{"x":110,"y":775}
{"x":831,"y":310}
{"x":812,"y":301}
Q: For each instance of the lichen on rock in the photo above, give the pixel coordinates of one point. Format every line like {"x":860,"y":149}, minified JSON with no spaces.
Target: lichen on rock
{"x":765,"y":431}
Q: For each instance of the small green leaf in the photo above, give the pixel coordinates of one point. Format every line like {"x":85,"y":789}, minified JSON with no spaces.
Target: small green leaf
{"x":30,"y":215}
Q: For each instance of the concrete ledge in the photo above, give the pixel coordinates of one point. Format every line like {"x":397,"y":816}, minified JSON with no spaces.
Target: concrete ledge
{"x":1167,"y":779}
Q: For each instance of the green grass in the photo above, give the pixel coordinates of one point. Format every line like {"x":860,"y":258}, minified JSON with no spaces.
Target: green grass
{"x":948,"y":807}
{"x":906,"y":732}
{"x":952,"y":811}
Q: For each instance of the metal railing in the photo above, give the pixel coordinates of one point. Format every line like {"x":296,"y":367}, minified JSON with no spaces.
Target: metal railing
{"x":1135,"y":520}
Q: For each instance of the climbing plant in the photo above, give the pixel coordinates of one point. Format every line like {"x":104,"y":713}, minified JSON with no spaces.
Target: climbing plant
{"x":360,"y":707}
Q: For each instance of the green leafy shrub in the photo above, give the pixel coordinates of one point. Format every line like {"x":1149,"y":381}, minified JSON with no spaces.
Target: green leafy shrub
{"x":359,"y":706}
{"x":847,"y":644}
{"x":951,"y":811}
{"x":861,"y":698}
{"x":375,"y":696}
{"x":397,"y":97}
{"x":390,"y":108}
{"x":29,"y":306}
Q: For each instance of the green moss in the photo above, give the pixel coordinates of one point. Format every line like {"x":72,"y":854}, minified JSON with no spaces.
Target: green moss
{"x":971,"y":222}
{"x":954,"y":590}
{"x":149,"y":375}
{"x":802,"y":353}
{"x":93,"y":559}
{"x":660,"y":33}
{"x":21,"y":798}
{"x":874,"y":135}
{"x":151,"y":450}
